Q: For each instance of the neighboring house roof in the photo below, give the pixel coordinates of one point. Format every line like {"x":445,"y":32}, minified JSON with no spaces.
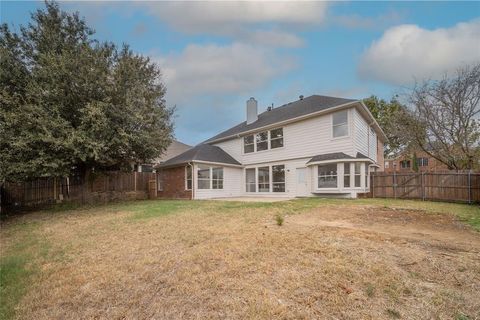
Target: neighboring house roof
{"x":337,"y":156}
{"x":173,"y":150}
{"x":201,"y":153}
{"x":288,"y":111}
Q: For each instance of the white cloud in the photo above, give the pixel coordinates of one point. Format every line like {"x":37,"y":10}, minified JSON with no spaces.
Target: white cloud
{"x":212,"y":69}
{"x":407,"y":52}
{"x":257,"y":22}
{"x":213,"y":16}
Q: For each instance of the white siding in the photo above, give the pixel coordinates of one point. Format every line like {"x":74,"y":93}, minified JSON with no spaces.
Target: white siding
{"x":361,"y":133}
{"x":232,"y":185}
{"x":373,"y":145}
{"x":305,"y":138}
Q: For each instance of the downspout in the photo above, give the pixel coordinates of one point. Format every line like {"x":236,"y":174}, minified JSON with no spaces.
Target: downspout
{"x":193,"y":181}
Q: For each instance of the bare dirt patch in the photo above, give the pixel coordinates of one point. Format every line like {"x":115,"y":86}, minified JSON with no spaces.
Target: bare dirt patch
{"x":342,"y":262}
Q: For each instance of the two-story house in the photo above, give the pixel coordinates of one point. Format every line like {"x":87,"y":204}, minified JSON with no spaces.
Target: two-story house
{"x":317,"y":145}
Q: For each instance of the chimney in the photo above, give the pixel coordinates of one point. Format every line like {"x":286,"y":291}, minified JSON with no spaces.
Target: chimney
{"x":252,"y":113}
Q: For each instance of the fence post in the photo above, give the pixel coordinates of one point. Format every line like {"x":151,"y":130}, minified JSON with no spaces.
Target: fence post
{"x":135,"y":183}
{"x":394,"y":184}
{"x":423,"y":186}
{"x":372,"y":185}
{"x":470,"y":186}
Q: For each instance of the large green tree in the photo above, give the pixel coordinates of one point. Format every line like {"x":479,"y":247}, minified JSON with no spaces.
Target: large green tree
{"x":70,"y":103}
{"x":387,"y":114}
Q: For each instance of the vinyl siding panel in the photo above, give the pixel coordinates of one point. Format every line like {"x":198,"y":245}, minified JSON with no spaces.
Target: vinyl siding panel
{"x":305,"y":138}
{"x":361,"y":133}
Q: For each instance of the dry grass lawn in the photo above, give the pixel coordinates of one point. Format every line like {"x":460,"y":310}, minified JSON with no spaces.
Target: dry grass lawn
{"x":331,"y":259}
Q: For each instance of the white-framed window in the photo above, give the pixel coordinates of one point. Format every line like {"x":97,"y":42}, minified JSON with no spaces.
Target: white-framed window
{"x":160,"y":182}
{"x":250,"y":180}
{"x":217,"y":178}
{"x":263,"y":179}
{"x":264,"y":140}
{"x":188,"y":178}
{"x":276,"y":138}
{"x":405,"y":164}
{"x":358,"y":174}
{"x":387,"y":164}
{"x":327,"y":176}
{"x":346,"y":175}
{"x":340,"y":124}
{"x":248,"y":144}
{"x":422,"y":162}
{"x":278,"y":178}
{"x":203,"y":177}
{"x":261,"y":139}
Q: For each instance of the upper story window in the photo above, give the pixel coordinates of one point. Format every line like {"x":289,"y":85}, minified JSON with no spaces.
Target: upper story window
{"x":405,"y":164}
{"x":340,"y":124}
{"x":276,"y":138}
{"x":248,"y":144}
{"x":262,"y":140}
{"x":387,"y":164}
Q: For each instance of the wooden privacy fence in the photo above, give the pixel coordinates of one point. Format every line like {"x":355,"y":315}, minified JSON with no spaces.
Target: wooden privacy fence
{"x":459,"y":187}
{"x":103,"y":187}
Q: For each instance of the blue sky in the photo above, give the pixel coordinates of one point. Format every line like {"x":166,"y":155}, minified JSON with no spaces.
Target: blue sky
{"x":215,"y":55}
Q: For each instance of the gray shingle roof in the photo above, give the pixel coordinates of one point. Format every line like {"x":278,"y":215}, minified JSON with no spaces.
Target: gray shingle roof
{"x":336,"y":156}
{"x":288,"y":111}
{"x":202,"y":152}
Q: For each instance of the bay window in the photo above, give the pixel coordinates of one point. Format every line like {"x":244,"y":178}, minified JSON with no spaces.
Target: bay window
{"x":278,"y":178}
{"x":358,"y":175}
{"x":327,"y":176}
{"x":262,"y":141}
{"x":346,"y":175}
{"x":276,"y":138}
{"x":264,"y":179}
{"x":340,"y":124}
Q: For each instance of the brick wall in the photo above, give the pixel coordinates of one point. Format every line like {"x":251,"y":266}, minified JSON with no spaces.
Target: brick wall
{"x":174,"y":184}
{"x":380,"y":156}
{"x":433,"y":164}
